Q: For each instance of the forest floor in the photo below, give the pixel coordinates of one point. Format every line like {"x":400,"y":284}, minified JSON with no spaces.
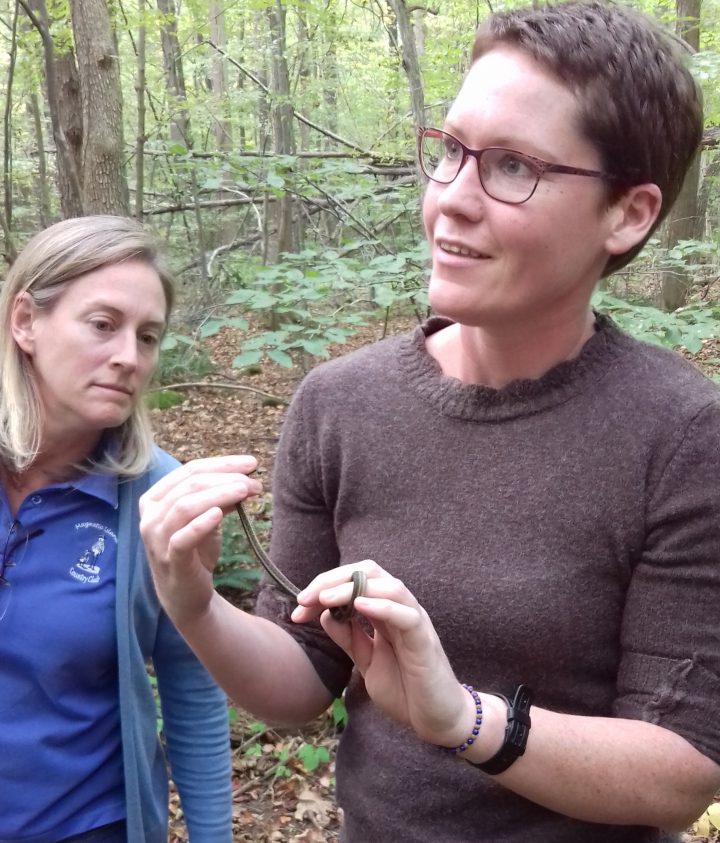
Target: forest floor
{"x":283,"y":787}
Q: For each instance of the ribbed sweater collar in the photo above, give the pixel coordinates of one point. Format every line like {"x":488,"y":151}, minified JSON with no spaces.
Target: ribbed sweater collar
{"x":519,"y":398}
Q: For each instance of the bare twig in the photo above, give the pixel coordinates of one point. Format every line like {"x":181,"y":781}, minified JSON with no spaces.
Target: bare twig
{"x":218,"y":385}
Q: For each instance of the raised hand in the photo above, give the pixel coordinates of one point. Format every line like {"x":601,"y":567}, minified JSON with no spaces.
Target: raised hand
{"x":180,"y":525}
{"x":406,"y":671}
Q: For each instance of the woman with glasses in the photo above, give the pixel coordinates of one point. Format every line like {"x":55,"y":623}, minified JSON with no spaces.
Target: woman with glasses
{"x":83,"y":311}
{"x":536,"y":649}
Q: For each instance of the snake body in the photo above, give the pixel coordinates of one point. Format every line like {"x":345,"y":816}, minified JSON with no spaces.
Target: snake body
{"x":340,"y":613}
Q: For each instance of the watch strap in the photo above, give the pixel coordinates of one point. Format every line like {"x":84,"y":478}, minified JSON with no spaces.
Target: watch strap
{"x":516,"y":733}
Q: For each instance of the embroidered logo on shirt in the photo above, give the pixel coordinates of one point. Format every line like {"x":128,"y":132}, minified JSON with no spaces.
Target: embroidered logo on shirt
{"x":88,"y":567}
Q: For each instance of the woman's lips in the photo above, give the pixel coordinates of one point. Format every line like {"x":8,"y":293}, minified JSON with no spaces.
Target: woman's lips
{"x":459,"y":249}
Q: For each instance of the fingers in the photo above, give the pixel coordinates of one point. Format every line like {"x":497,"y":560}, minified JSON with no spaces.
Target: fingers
{"x":224,"y":469}
{"x":397,"y":615}
{"x":340,"y":579}
{"x":351,"y":638}
{"x":187,"y":538}
{"x":192,"y":490}
{"x":384,"y":598}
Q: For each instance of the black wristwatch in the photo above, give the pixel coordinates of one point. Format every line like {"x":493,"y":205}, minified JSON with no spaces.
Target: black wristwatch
{"x":516,"y":733}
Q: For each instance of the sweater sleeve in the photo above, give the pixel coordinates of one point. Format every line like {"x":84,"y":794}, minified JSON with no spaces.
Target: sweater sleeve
{"x":303,"y":534}
{"x":195,"y":725}
{"x":670,"y":667}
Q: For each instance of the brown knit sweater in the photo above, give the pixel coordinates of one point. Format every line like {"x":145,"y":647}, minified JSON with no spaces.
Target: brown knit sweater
{"x":562,"y":532}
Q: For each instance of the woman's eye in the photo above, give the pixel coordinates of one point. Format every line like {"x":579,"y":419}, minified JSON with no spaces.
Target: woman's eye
{"x":516,"y":166}
{"x":452,"y":148}
{"x":102,"y":325}
{"x":150,"y":340}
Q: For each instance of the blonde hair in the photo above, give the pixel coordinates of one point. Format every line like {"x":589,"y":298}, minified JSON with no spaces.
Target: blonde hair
{"x":49,"y":263}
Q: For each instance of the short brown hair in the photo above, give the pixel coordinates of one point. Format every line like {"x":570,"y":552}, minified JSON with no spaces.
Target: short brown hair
{"x":639,"y":105}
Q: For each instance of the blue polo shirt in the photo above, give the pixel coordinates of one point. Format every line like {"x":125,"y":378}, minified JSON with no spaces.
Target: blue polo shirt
{"x":60,"y":751}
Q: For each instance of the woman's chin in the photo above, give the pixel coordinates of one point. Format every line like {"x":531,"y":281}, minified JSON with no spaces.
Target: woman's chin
{"x":455,"y":305}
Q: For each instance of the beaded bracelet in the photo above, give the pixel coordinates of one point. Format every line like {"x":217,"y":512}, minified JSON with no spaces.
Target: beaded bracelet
{"x":478,"y":722}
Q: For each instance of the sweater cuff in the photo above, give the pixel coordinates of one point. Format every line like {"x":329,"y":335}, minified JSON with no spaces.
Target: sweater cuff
{"x":678,"y":694}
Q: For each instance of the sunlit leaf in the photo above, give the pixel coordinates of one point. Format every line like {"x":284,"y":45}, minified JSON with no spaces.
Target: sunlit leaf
{"x":164,"y":399}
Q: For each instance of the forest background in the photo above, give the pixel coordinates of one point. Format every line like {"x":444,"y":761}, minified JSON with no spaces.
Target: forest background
{"x":270,"y":145}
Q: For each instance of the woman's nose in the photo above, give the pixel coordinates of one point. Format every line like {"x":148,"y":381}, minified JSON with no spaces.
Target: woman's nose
{"x":125,"y":350}
{"x":464,"y":195}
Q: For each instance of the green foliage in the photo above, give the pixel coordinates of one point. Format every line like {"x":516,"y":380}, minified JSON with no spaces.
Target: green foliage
{"x":281,"y":769}
{"x":690,"y":256}
{"x":338,"y":712}
{"x":163,"y":399}
{"x":183,"y":358}
{"x":156,"y":696}
{"x":686,"y":326}
{"x":237,"y":567}
{"x":311,"y":757}
{"x":320,"y":297}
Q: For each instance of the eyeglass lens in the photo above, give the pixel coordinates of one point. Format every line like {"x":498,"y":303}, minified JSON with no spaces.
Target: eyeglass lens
{"x":505,"y":175}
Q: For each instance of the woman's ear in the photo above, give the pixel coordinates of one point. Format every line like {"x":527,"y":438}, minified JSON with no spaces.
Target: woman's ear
{"x":22,"y":322}
{"x":632,"y":216}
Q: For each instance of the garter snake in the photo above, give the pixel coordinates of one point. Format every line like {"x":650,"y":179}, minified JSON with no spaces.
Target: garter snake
{"x":340,"y":613}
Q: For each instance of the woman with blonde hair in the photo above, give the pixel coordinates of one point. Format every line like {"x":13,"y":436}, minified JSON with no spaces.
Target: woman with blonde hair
{"x":83,"y":311}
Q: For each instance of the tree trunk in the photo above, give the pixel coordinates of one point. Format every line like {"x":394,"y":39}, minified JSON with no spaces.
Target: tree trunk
{"x":710,"y":183}
{"x":683,"y":223}
{"x":42,"y":185}
{"x":63,"y":105}
{"x":226,"y":228}
{"x":140,"y":100}
{"x":70,"y":117}
{"x":218,"y":75}
{"x":282,"y":125}
{"x":174,"y":76}
{"x":410,"y":63}
{"x":103,"y":175}
{"x":7,"y":124}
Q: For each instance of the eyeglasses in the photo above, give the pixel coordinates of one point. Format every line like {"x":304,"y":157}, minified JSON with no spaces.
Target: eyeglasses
{"x":15,"y":544}
{"x":505,"y":175}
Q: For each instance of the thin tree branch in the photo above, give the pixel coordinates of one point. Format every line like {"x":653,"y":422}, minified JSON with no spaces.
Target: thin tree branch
{"x":296,"y":114}
{"x":216,"y":385}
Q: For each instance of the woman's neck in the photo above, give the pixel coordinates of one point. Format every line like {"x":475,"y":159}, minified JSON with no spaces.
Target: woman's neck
{"x":495,"y":356}
{"x":57,"y":461}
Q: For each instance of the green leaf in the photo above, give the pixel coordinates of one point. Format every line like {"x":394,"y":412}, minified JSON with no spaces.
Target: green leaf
{"x":172,"y":340}
{"x":239,"y":296}
{"x":281,"y":358}
{"x":212,"y":326}
{"x":164,"y":399}
{"x":692,"y":344}
{"x":311,"y":757}
{"x":241,"y":579}
{"x":261,"y":300}
{"x":317,"y":348}
{"x":384,"y":295}
{"x":282,"y":770}
{"x":338,"y":711}
{"x":246,"y":358}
